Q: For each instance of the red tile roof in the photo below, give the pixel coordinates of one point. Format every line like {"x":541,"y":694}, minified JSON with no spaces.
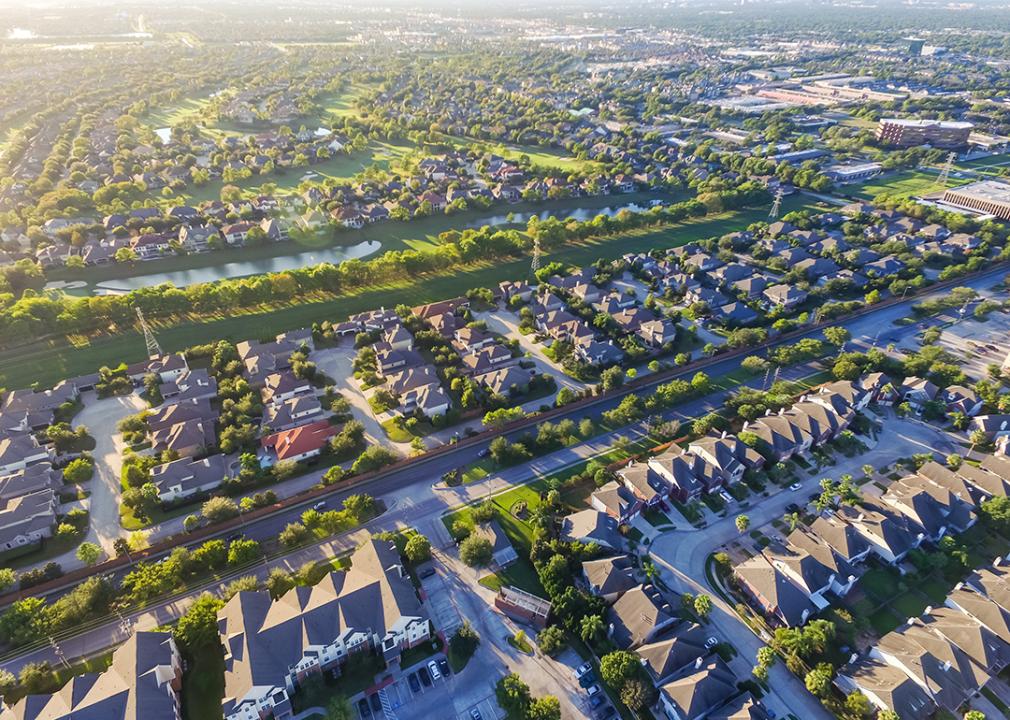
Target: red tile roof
{"x":296,"y":441}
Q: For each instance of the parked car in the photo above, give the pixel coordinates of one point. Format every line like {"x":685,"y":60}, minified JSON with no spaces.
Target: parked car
{"x":596,"y":700}
{"x":583,"y":669}
{"x":475,"y":714}
{"x":376,"y":702}
{"x":588,"y":679}
{"x":796,"y":486}
{"x":433,"y":669}
{"x":422,"y":673}
{"x":415,"y":684}
{"x":443,"y":665}
{"x":366,"y":712}
{"x":593,"y":690}
{"x":427,"y":572}
{"x":319,"y":505}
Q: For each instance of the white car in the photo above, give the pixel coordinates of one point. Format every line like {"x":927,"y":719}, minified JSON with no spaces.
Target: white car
{"x":711,"y":642}
{"x":795,"y":487}
{"x":583,"y":669}
{"x":593,"y":690}
{"x":433,"y":669}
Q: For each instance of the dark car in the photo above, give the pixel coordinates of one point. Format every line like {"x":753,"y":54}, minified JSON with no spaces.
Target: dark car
{"x":443,"y":665}
{"x":422,"y":672}
{"x":376,"y":702}
{"x":235,"y":536}
{"x":607,"y":713}
{"x":596,"y":700}
{"x":427,"y":572}
{"x":366,"y":712}
{"x":415,"y":685}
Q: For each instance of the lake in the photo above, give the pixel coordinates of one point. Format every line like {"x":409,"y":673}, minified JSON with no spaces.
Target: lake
{"x":581,"y":210}
{"x":280,"y":263}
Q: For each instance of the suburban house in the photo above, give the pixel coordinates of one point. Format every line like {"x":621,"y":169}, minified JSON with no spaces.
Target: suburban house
{"x":639,"y":616}
{"x":272,"y":646}
{"x":696,"y":692}
{"x":297,"y":444}
{"x":142,"y":683}
{"x":184,"y":478}
{"x":502,"y":552}
{"x":609,"y":577}
{"x":591,"y":526}
{"x":773,"y":592}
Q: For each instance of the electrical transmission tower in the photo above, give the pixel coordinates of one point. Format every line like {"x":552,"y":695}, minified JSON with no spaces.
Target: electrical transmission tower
{"x":153,"y":348}
{"x":535,"y":265}
{"x":945,"y":173}
{"x":777,"y":204}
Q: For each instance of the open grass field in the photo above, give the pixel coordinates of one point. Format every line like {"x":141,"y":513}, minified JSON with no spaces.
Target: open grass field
{"x":48,"y":362}
{"x":187,"y":108}
{"x":904,"y":183}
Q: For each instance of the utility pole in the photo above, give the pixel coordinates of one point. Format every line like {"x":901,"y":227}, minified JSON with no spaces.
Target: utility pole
{"x":776,"y":204}
{"x":535,"y":265}
{"x":153,"y":348}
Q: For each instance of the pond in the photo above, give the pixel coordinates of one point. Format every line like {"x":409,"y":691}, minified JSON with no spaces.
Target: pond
{"x":181,"y":278}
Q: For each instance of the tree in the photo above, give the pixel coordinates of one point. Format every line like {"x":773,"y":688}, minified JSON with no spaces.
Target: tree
{"x":703,"y":606}
{"x":279,"y":582}
{"x":591,"y":628}
{"x":88,"y":553}
{"x":137,"y":541}
{"x":742,"y":523}
{"x":513,"y":696}
{"x":339,"y":709}
{"x":636,"y":694}
{"x":546,"y":708}
{"x":121,"y":547}
{"x":293,"y":534}
{"x":475,"y":551}
{"x":7,"y":682}
{"x":970,"y":715}
{"x":464,"y":642}
{"x":418,"y":549}
{"x":837,"y":336}
{"x":219,"y":509}
{"x":197,"y":628}
{"x":243,"y":551}
{"x":7,"y":579}
{"x":551,"y":640}
{"x":858,"y":705}
{"x":36,"y":678}
{"x":818,"y":680}
{"x":619,"y":666}
{"x":79,"y":470}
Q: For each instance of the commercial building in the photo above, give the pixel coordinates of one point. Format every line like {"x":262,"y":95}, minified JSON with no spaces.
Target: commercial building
{"x":988,"y":197}
{"x":902,"y":132}
{"x":853,"y":172}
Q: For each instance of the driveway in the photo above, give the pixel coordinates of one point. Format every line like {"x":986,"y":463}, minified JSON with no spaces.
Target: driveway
{"x":545,"y":676}
{"x":337,"y":364}
{"x":506,"y":323}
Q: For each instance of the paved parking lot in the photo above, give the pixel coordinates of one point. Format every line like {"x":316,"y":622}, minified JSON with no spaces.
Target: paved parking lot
{"x":441,"y":608}
{"x":487,"y":708}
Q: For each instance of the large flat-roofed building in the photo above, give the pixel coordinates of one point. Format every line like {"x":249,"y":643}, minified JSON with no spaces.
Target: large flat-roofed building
{"x":903,"y":132}
{"x":987,"y":197}
{"x":852,"y":172}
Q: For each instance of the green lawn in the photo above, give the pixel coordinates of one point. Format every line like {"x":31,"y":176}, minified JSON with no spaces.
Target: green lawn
{"x":884,"y":621}
{"x":49,"y":361}
{"x":879,"y":583}
{"x":203,"y":685}
{"x":903,"y":183}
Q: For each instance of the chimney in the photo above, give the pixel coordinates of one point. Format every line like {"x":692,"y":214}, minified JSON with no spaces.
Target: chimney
{"x":698,"y":663}
{"x":853,"y":657}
